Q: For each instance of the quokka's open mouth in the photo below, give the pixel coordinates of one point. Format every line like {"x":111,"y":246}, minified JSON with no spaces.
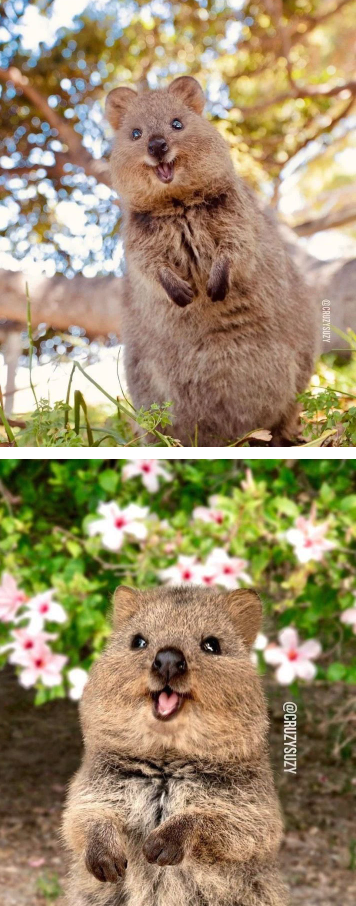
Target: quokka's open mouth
{"x":165,"y":171}
{"x":167,"y":703}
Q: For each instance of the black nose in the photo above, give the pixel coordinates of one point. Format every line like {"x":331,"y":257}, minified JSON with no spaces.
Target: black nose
{"x":169,"y":663}
{"x":157,"y":146}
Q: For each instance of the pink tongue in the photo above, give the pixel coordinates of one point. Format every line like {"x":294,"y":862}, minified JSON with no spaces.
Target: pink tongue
{"x":167,"y":703}
{"x":165,"y":169}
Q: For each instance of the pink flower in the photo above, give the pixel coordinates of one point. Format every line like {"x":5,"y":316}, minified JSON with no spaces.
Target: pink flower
{"x":78,"y":679}
{"x":149,"y":470}
{"x":293,"y":660}
{"x":219,"y":569}
{"x":169,"y":548}
{"x":308,"y":539}
{"x":206,"y":574}
{"x":349,"y":616}
{"x":185,"y":572}
{"x":11,"y":598}
{"x":36,"y":863}
{"x":43,"y":608}
{"x":211,"y":513}
{"x":25,"y":641}
{"x":116,"y":523}
{"x":228,"y":570}
{"x":40,"y":663}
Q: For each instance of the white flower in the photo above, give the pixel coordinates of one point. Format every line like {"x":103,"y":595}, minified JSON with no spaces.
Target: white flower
{"x":211,"y":513}
{"x":308,"y":539}
{"x":43,"y":608}
{"x":77,"y":678}
{"x":116,"y":523}
{"x":185,"y":571}
{"x":149,"y":470}
{"x":11,"y":598}
{"x":228,"y":570}
{"x":349,"y":616}
{"x":293,"y":660}
{"x":259,"y":644}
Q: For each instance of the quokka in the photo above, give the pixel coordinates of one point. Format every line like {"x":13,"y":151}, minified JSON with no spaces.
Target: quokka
{"x":174,"y":803}
{"x":215,"y":317}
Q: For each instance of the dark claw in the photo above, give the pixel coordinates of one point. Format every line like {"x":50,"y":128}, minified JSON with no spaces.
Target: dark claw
{"x":177,"y":289}
{"x":163,"y":852}
{"x":103,"y":866}
{"x":182,"y":295}
{"x":218,"y":283}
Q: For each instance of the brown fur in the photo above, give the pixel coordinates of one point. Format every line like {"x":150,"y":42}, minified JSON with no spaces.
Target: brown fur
{"x":183,"y":811}
{"x":216,"y":318}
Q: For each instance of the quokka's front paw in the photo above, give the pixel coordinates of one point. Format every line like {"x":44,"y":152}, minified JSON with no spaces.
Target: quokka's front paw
{"x":105,"y":860}
{"x":218,"y":283}
{"x":181,"y":293}
{"x":166,"y":845}
{"x":176,"y":288}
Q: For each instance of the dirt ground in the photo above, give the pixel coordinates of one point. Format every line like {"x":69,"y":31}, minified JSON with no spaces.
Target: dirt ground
{"x":40,"y":749}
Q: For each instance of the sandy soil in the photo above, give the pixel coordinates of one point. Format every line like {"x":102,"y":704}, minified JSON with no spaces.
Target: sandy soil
{"x":40,"y":749}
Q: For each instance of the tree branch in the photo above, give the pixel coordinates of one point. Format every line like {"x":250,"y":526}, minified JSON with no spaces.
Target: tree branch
{"x":318,"y":20}
{"x":283,"y":38}
{"x":92,"y":303}
{"x":77,"y":154}
{"x":330,"y":221}
{"x":53,"y":170}
{"x":22,"y":83}
{"x":312,"y":138}
{"x":324,"y":91}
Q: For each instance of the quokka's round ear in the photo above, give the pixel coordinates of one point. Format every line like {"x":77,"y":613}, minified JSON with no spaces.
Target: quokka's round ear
{"x":125,"y":604}
{"x":117,"y":103}
{"x":189,"y":91}
{"x":245,"y":608}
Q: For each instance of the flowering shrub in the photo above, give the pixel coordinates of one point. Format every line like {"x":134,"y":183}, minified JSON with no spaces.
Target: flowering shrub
{"x":70,"y":532}
{"x":293,"y":659}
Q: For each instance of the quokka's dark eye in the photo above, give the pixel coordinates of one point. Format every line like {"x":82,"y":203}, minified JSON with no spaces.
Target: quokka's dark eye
{"x":176,"y":124}
{"x":211,"y":645}
{"x":138,"y":642}
{"x":136,"y":133}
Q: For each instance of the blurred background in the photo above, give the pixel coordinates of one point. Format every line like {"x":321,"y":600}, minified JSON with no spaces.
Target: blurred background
{"x":280,"y":84}
{"x":71,"y":531}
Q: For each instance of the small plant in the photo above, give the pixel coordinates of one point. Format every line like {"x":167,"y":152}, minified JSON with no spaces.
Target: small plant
{"x":61,"y":425}
{"x":352,"y":847}
{"x":48,"y":886}
{"x":324,"y":417}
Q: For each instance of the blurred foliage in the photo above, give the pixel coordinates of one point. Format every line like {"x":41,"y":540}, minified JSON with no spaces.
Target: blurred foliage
{"x":46,"y":507}
{"x":48,"y":886}
{"x":246,"y":54}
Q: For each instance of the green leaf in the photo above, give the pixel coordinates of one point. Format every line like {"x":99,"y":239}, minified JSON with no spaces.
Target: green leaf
{"x":351,"y":675}
{"x":286,"y":506}
{"x":348,"y":503}
{"x":108,"y":481}
{"x":74,"y":548}
{"x":336,"y":672}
